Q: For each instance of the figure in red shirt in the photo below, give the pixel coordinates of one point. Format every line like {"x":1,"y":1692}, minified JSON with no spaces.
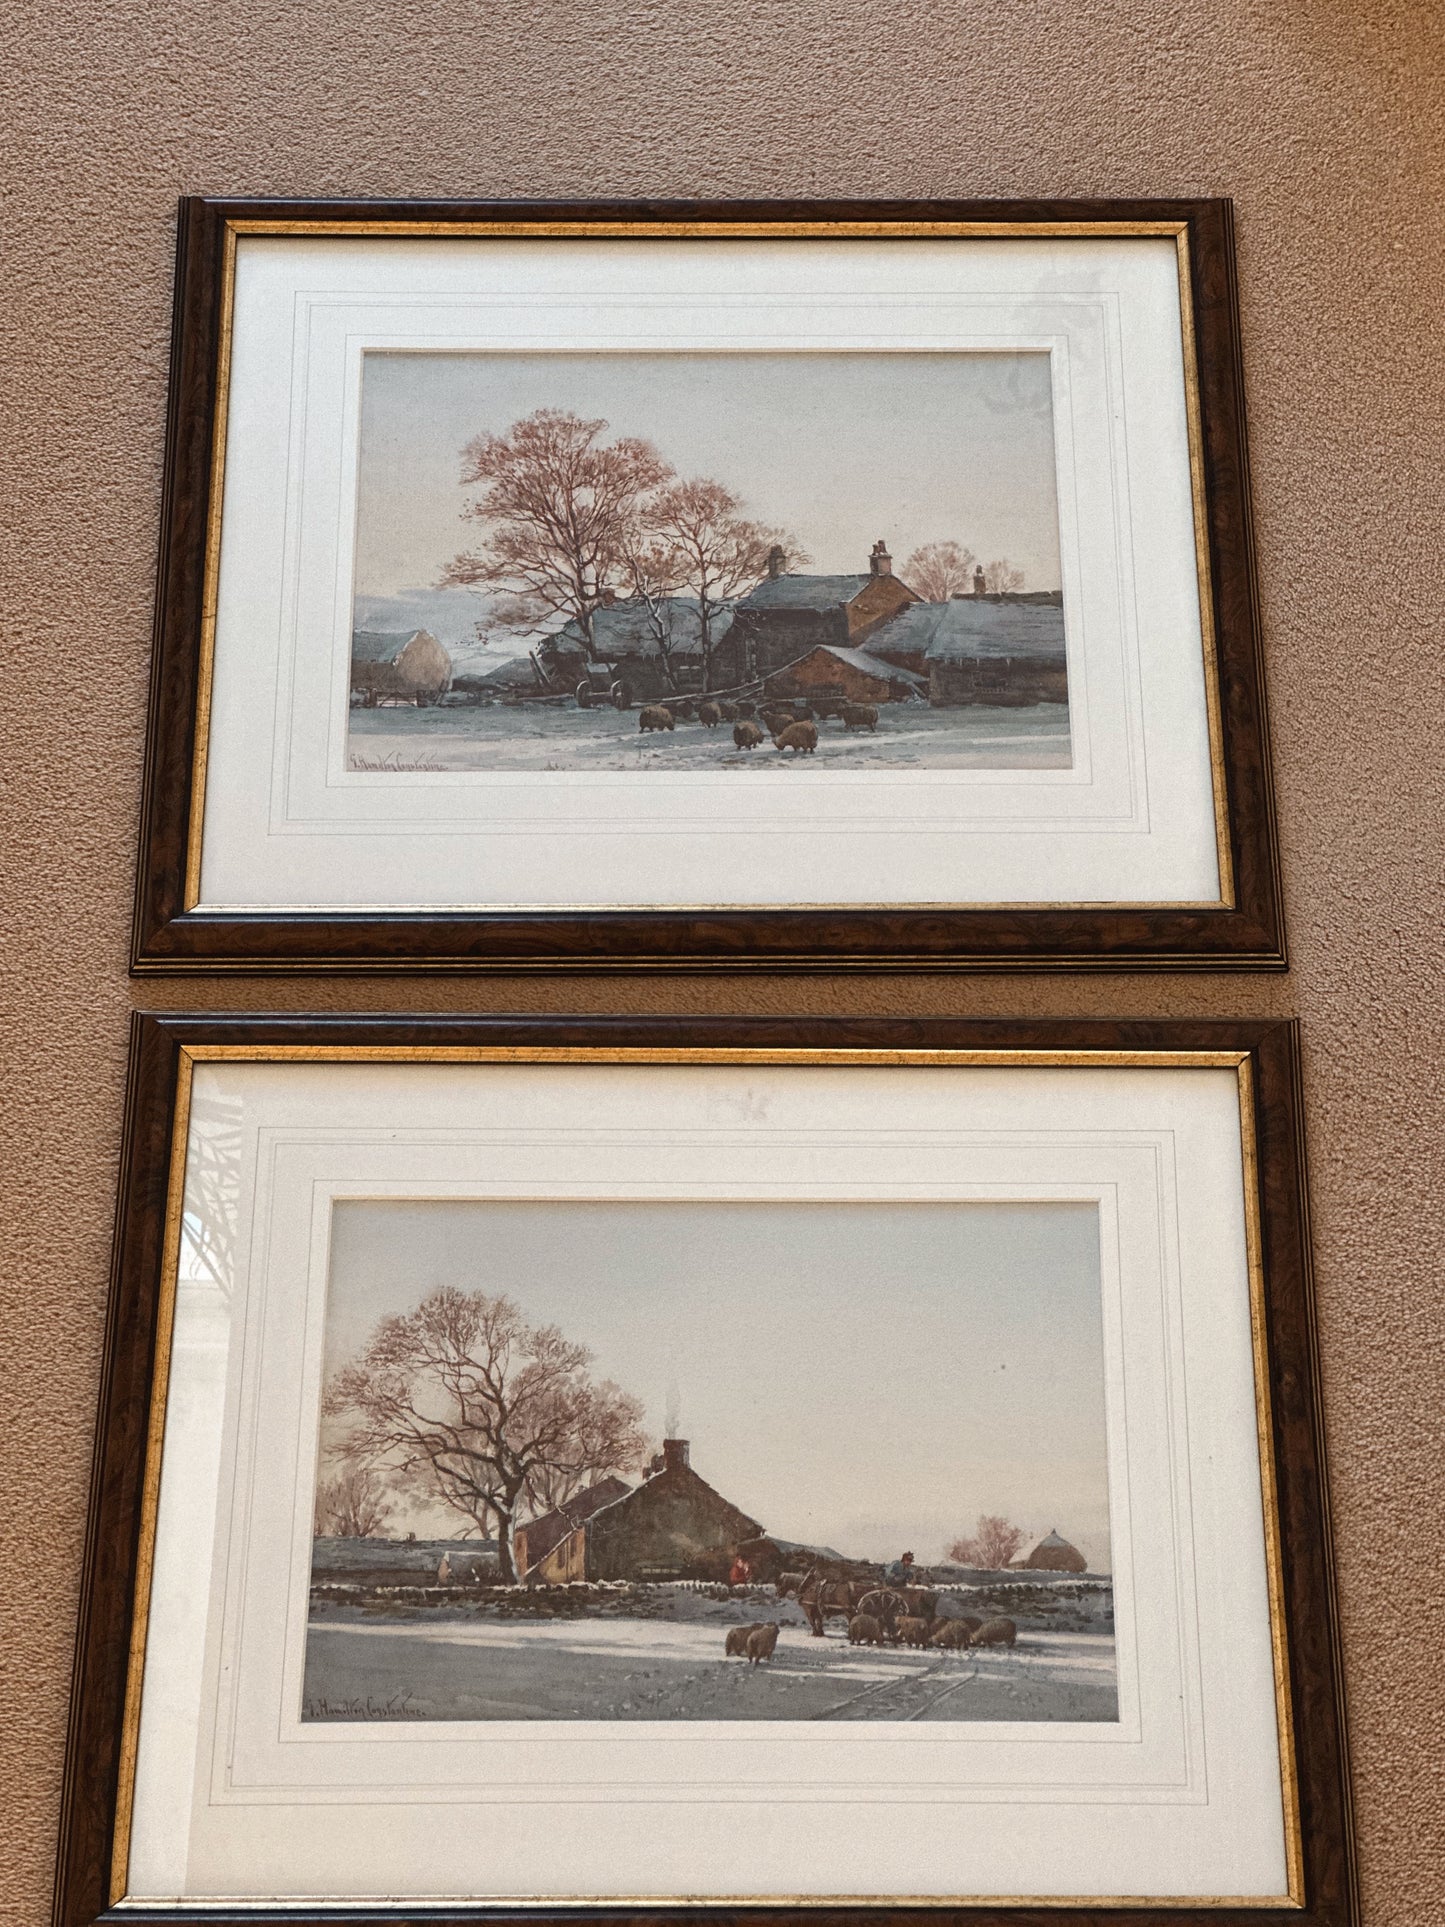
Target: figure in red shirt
{"x":741,"y":1573}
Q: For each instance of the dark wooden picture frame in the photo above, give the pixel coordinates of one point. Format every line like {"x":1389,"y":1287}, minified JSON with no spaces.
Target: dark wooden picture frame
{"x":1265,"y":1056}
{"x":1244,"y":931}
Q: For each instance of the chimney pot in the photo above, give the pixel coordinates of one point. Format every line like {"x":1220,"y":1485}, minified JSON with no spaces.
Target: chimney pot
{"x":777,"y":558}
{"x":880,"y":562}
{"x":674,"y":1455}
{"x":978,"y":582}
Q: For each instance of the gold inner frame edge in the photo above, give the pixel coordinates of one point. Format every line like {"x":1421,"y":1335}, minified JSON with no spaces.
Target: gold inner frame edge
{"x":1239,"y":1061}
{"x":720,"y":230}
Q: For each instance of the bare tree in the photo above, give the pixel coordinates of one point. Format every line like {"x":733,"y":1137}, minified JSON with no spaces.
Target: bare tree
{"x":1002,"y":578}
{"x":353,"y":1505}
{"x":555,"y":503}
{"x":939,"y":570}
{"x":474,"y":1406}
{"x":994,"y":1543}
{"x":655,"y":571}
{"x":716,"y":552}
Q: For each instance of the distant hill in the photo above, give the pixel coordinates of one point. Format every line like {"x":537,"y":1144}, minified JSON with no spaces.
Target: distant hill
{"x":451,"y":615}
{"x":400,"y":1561}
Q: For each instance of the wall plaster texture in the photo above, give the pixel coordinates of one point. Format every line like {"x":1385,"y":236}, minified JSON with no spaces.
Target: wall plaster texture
{"x":1323,"y":120}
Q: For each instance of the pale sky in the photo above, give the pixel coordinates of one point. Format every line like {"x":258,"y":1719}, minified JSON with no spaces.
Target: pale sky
{"x":840,"y":449}
{"x":865,"y":1376}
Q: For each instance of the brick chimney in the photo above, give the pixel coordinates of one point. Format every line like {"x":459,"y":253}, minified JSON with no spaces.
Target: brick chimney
{"x":978,"y":583}
{"x":777,"y":562}
{"x":880,"y":562}
{"x":674,"y":1455}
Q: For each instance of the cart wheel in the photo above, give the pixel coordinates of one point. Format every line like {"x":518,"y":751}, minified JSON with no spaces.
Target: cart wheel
{"x":584,"y":695}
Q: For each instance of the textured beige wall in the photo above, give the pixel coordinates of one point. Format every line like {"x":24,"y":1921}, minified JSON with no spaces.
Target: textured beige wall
{"x":1323,"y":119}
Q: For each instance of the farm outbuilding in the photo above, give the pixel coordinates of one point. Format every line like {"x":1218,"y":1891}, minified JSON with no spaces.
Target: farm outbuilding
{"x":553,"y":1547}
{"x":665,"y":1528}
{"x":1003,"y":651}
{"x":769,"y":1555}
{"x":655,"y":647}
{"x":788,"y":614}
{"x":402,"y":668}
{"x":834,"y":673}
{"x":1053,"y":1554}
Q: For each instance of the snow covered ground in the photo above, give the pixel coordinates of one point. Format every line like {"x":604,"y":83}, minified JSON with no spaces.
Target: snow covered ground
{"x":361,"y":1667}
{"x":541,"y":737}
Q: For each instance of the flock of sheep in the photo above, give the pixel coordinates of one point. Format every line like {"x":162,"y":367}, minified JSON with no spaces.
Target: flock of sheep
{"x":755,"y":1643}
{"x":793,"y":727}
{"x":869,"y":1629}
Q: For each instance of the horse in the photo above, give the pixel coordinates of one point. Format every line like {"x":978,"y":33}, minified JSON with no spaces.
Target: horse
{"x":821,"y":1598}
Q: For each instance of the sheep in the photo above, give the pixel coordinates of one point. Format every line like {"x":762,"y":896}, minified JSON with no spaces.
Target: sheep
{"x":801,"y":738}
{"x":995,"y":1632}
{"x":746,"y":735}
{"x":709,"y":715}
{"x":913,"y":1632}
{"x":736,"y":1643}
{"x":865,"y":1630}
{"x":654,"y":717}
{"x":727,"y":711}
{"x":761,"y":1641}
{"x":803,"y":714}
{"x":860,"y":716}
{"x":954,"y":1632}
{"x":685,"y":710}
{"x":744,"y":710}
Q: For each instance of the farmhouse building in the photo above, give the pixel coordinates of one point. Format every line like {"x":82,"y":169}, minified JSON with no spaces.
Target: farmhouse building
{"x":787,"y":615}
{"x":401,"y":668}
{"x":665,"y":1528}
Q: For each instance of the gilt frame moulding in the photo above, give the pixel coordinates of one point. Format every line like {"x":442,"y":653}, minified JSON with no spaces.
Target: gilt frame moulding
{"x":1231,"y":920}
{"x":1260,"y":1059}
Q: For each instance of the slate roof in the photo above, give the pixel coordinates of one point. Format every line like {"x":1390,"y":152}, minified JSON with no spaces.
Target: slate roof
{"x":979,"y":626}
{"x":861,"y":660}
{"x":624,"y":628}
{"x":670,"y":1477}
{"x":792,"y":1546}
{"x":804,"y":591}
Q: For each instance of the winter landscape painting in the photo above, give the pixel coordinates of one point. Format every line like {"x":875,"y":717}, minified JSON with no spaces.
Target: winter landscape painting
{"x":712,"y":1461}
{"x":707,"y":561}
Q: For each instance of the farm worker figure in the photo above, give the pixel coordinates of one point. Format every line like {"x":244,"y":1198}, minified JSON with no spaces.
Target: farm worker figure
{"x":741,"y":1572}
{"x":900,"y":1573}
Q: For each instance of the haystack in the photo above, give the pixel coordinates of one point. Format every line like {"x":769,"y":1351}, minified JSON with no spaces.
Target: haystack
{"x":1053,"y":1554}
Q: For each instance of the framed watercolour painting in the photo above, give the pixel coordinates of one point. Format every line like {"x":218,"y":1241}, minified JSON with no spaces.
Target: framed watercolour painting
{"x":660,"y":1468}
{"x":703,"y":585}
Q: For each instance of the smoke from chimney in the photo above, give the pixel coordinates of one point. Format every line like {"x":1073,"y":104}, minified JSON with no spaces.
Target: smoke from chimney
{"x":672,"y":1412}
